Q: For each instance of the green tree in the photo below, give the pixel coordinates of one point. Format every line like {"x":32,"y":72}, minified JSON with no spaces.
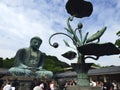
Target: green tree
{"x":1,"y":62}
{"x":118,"y":40}
{"x":7,"y":63}
{"x":55,"y":65}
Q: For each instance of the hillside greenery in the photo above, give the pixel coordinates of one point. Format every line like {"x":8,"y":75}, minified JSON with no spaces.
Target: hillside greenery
{"x":51,"y":63}
{"x":55,"y":65}
{"x":118,"y":40}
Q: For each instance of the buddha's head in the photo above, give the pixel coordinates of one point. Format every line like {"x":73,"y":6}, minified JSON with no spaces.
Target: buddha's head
{"x":35,"y":42}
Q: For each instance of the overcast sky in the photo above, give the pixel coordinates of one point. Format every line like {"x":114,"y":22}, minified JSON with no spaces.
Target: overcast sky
{"x":20,"y":20}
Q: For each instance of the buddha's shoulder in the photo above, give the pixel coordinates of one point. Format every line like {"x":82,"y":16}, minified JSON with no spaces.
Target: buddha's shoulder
{"x":42,"y":53}
{"x":24,"y":50}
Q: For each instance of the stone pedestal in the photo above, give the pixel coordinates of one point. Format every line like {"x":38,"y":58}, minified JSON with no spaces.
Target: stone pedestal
{"x":82,"y":88}
{"x":24,"y":85}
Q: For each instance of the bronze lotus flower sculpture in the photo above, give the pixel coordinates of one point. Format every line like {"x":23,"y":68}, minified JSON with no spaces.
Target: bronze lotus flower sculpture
{"x":86,"y":47}
{"x":79,"y":8}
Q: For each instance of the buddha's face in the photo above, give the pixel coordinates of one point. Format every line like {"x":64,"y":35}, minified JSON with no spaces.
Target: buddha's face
{"x":35,"y":44}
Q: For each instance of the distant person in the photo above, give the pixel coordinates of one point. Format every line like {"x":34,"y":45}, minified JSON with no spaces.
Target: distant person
{"x":115,"y":84}
{"x":15,"y":84}
{"x":93,"y":83}
{"x":108,"y":86}
{"x":33,"y":83}
{"x":30,"y":61}
{"x":39,"y":85}
{"x":7,"y":85}
{"x":54,"y":85}
{"x":1,"y":84}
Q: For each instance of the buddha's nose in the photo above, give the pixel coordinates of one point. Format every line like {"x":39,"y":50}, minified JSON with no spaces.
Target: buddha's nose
{"x":36,"y":44}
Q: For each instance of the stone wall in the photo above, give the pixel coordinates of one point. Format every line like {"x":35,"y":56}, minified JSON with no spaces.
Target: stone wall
{"x":82,"y":88}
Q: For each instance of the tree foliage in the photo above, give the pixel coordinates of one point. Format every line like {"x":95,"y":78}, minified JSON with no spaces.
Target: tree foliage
{"x":7,"y":63}
{"x":1,"y":61}
{"x":55,"y":65}
{"x":118,"y":40}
